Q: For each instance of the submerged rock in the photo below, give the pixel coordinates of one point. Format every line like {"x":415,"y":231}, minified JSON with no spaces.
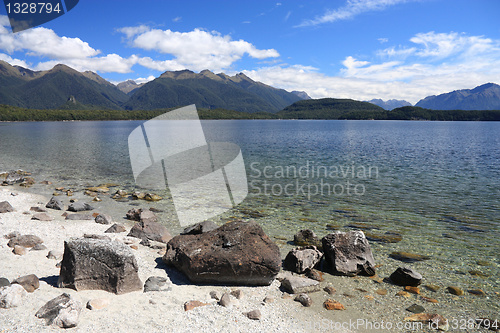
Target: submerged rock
{"x":307,"y":237}
{"x":406,"y":276}
{"x":236,"y":253}
{"x":408,"y":257}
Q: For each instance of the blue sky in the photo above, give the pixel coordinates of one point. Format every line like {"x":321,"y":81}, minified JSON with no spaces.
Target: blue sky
{"x":360,"y":49}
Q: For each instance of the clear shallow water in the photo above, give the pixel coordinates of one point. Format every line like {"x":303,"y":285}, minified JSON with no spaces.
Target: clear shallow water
{"x":435,"y":183}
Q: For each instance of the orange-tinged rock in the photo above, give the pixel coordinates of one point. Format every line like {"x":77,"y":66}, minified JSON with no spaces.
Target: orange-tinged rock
{"x":193,"y":304}
{"x":413,"y":290}
{"x":330,"y":304}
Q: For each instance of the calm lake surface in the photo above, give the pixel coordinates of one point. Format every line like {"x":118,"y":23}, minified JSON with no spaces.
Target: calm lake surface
{"x":437,"y":184}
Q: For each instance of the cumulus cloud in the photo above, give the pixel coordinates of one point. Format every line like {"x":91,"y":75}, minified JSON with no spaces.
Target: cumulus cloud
{"x":350,"y":10}
{"x":197,"y":50}
{"x":436,"y":63}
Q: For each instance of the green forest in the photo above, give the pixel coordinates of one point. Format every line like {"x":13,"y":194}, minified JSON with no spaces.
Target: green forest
{"x":337,"y":109}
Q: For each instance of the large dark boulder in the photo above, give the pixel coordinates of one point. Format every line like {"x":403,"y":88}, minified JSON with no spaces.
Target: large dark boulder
{"x":98,"y":264}
{"x":237,"y":253}
{"x":79,"y":206}
{"x":349,"y":253}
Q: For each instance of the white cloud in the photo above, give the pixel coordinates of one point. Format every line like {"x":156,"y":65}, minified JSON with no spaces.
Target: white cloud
{"x":196,"y":50}
{"x":12,"y":61}
{"x":351,"y":9}
{"x":410,"y":73}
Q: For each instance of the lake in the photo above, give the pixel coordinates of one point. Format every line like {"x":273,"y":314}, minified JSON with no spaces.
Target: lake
{"x":436,"y":184}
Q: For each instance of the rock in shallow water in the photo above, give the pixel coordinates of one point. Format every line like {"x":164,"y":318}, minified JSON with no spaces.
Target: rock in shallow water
{"x":237,"y":253}
{"x":301,"y":259}
{"x":408,"y":257}
{"x":406,"y":276}
{"x":349,"y":253}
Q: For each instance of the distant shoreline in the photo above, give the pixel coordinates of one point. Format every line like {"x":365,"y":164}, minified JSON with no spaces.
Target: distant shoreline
{"x":408,"y":113}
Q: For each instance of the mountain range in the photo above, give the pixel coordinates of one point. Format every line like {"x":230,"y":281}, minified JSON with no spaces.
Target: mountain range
{"x":64,"y":87}
{"x":484,"y":97}
{"x":390,"y":104}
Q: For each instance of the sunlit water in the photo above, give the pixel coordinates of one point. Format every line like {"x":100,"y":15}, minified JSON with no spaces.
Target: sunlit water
{"x":435,"y":183}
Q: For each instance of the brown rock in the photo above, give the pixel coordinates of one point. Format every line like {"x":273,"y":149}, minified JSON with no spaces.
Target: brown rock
{"x":5,"y":207}
{"x":408,"y":257}
{"x":315,"y":275}
{"x":253,"y":315}
{"x":29,"y":282}
{"x":435,"y":320}
{"x":237,"y":293}
{"x":382,"y":292}
{"x":403,"y":294}
{"x":151,"y":230}
{"x":330,"y":290}
{"x":432,"y":287}
{"x":303,"y":299}
{"x":115,"y":228}
{"x":413,"y":290}
{"x":42,"y":217}
{"x":25,"y":241}
{"x":330,"y":304}
{"x":19,"y":250}
{"x":477,"y":292}
{"x":428,"y":299}
{"x":236,"y":253}
{"x":455,"y":291}
{"x":97,"y":303}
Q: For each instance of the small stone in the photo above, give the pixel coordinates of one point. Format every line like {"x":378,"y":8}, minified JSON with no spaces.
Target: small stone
{"x":455,"y":291}
{"x":381,"y":292}
{"x":484,"y":263}
{"x":152,"y":197}
{"x":286,"y":296}
{"x":330,"y":290}
{"x":12,"y":234}
{"x":42,"y":217}
{"x":253,"y":315}
{"x":12,"y":296}
{"x":103,"y":219}
{"x":29,"y":282}
{"x":98,"y":189}
{"x":408,"y":257}
{"x":479,"y":274}
{"x":376,"y":279}
{"x":477,"y":292}
{"x":5,"y":207}
{"x":315,"y":275}
{"x":297,"y":285}
{"x":433,"y":319}
{"x":157,"y":283}
{"x":115,"y":228}
{"x":4,"y":282}
{"x":38,"y":247}
{"x":55,"y":203}
{"x":307,"y":237}
{"x":238,"y":293}
{"x":227,"y":301}
{"x":199,"y":228}
{"x":97,"y":199}
{"x":56,"y":255}
{"x":19,"y":250}
{"x":403,"y":294}
{"x":303,"y":299}
{"x":429,"y":300}
{"x":406,"y":276}
{"x":97,"y":303}
{"x":38,"y":210}
{"x":432,"y":287}
{"x":193,"y":304}
{"x":415,"y":308}
{"x":25,"y":241}
{"x":413,"y":290}
{"x":79,"y":207}
{"x":369,"y":297}
{"x":269,"y":300}
{"x":330,"y":304}
{"x":215,"y":295}
{"x":79,"y":217}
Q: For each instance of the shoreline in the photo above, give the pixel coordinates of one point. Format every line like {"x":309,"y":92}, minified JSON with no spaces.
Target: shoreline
{"x":360,"y":295}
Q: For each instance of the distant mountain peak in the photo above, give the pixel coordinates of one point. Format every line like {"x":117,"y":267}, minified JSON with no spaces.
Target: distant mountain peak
{"x":483,"y":97}
{"x":390,"y":104}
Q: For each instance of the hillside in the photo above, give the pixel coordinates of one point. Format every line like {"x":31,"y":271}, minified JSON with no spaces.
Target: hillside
{"x":209,"y":90}
{"x":52,"y":89}
{"x":331,"y":108}
{"x":484,"y":97}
